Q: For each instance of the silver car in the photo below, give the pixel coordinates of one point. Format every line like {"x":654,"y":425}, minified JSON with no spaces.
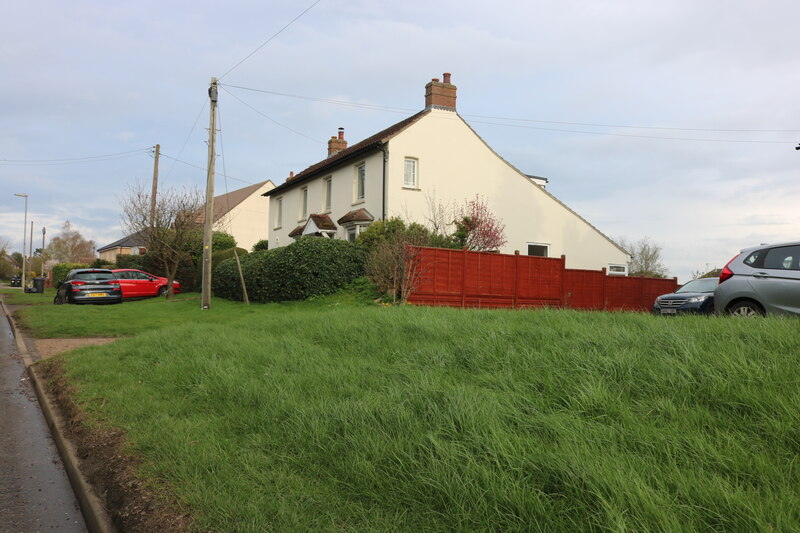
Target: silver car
{"x":761,"y":280}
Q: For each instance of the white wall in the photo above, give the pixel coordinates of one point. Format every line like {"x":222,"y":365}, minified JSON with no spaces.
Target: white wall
{"x":455,"y":164}
{"x":342,"y":198}
{"x":248,"y":221}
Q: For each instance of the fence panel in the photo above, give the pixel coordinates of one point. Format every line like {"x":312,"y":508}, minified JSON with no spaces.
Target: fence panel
{"x":460,"y":278}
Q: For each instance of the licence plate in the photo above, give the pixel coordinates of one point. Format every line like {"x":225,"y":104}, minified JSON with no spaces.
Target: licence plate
{"x":668,"y":311}
{"x":97,"y":294}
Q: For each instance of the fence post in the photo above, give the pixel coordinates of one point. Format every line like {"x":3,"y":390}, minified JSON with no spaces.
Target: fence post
{"x":516,"y":279}
{"x":603,"y":289}
{"x":464,"y":278}
{"x":563,"y":280}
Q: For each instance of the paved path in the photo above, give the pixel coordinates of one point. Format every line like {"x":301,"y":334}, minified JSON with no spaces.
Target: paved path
{"x":35,"y":494}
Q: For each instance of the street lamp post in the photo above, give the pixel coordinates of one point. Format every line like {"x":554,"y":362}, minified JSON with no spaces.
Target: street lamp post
{"x":24,"y":229}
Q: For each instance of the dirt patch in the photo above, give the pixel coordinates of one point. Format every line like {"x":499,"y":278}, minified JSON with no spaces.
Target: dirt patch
{"x":134,"y":505}
{"x":50,"y":347}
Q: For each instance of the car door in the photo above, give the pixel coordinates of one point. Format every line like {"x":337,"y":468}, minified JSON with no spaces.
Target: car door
{"x":126,"y":283}
{"x":778,"y":281}
{"x":148,"y":284}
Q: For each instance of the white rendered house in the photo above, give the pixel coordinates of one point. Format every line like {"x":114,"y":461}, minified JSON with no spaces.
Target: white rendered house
{"x":242,"y":213}
{"x":432,"y":154}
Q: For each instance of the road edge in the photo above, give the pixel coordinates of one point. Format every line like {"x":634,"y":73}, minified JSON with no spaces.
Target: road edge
{"x":94,"y":512}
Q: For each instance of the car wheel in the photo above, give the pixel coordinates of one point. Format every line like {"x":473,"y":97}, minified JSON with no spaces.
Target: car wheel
{"x":58,"y":300}
{"x":162,"y":291}
{"x":746,"y":309}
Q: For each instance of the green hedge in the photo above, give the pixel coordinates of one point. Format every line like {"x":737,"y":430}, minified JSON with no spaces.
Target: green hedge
{"x":61,"y":270}
{"x":130,"y":261}
{"x":312,"y":266}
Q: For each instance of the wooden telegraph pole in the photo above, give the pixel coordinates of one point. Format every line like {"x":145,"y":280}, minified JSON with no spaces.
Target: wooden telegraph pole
{"x":155,"y":189}
{"x":209,"y":221}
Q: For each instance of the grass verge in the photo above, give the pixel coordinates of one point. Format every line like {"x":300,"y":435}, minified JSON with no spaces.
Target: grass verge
{"x":331,"y":416}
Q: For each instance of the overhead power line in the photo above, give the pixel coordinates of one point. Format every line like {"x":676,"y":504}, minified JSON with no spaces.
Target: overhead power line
{"x":204,"y":169}
{"x":73,"y":160}
{"x":262,"y":45}
{"x":378,"y":107}
{"x":270,"y":118}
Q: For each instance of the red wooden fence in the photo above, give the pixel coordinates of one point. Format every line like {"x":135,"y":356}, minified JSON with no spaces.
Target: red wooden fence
{"x":459,"y":278}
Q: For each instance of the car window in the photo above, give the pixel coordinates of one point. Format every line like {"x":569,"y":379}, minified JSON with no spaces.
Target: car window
{"x":122,"y":275}
{"x":782,"y":258}
{"x":755,"y":259}
{"x":700,"y":285}
{"x":94,"y":276}
{"x":140,"y":275}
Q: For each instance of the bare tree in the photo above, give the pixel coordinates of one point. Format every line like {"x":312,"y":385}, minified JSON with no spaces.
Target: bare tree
{"x":394,"y":264}
{"x":69,"y":246}
{"x":172,"y":231}
{"x":439,"y":217}
{"x":645,"y":257}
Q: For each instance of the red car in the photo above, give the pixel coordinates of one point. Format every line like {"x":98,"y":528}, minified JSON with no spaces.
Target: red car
{"x":138,"y":284}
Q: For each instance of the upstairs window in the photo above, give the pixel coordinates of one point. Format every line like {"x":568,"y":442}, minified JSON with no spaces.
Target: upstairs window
{"x":410,"y":173}
{"x":304,"y":203}
{"x":361,"y":179}
{"x":278,"y":213}
{"x":617,"y":270}
{"x":327,"y":188}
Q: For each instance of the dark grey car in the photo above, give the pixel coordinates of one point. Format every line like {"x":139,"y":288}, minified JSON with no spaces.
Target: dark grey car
{"x":761,"y":280}
{"x":89,"y":285}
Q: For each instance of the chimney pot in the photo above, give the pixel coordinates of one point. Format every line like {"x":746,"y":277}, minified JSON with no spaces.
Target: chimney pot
{"x":291,"y":174}
{"x":446,"y":76}
{"x":341,"y":133}
{"x":337,"y":143}
{"x":435,"y":80}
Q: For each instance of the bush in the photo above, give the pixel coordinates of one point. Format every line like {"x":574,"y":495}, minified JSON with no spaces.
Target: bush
{"x":130,"y":261}
{"x":312,"y":266}
{"x":261,"y":245}
{"x":102,"y":263}
{"x":61,"y":270}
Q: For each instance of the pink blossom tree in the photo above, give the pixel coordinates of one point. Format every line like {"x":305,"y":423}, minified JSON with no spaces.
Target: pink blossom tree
{"x":477,"y":228}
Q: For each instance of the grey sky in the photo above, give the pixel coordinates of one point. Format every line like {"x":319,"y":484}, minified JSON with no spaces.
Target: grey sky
{"x":93,"y":78}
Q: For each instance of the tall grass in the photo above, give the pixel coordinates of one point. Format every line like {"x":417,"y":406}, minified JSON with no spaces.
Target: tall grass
{"x":328,"y":418}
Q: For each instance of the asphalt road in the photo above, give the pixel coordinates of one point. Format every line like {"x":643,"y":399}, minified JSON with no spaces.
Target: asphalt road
{"x":35,"y":494}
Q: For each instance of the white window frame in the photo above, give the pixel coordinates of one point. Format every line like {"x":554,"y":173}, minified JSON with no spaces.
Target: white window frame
{"x":278,"y":213}
{"x":327,"y":193}
{"x":358,"y":229}
{"x":303,"y":203}
{"x":360,"y":183}
{"x":623,"y":272}
{"x":414,"y":184}
{"x":546,"y":247}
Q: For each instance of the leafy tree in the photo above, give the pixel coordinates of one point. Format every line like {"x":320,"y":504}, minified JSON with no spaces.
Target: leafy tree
{"x":17,"y":258}
{"x":69,"y":246}
{"x":171,"y":232}
{"x":6,"y":262}
{"x":645,"y":258}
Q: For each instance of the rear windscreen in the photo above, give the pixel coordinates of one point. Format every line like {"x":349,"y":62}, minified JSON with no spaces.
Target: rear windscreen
{"x":94,"y":276}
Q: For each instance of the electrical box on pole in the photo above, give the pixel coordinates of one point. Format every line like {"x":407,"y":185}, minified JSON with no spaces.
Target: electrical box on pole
{"x":209,"y":211}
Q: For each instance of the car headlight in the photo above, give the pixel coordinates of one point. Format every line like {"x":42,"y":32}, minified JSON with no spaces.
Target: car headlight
{"x":696,"y":299}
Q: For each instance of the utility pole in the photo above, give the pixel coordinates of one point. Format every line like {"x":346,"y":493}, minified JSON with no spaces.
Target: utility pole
{"x":41,"y":256}
{"x":155,"y":189}
{"x":30,"y":248}
{"x":24,"y":228}
{"x":209,"y":221}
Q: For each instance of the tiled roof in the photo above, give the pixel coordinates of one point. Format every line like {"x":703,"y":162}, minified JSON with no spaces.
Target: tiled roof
{"x":367,"y":144}
{"x":323,"y":222}
{"x":129,"y":241}
{"x":359,"y":215}
{"x":297,"y":231}
{"x":225,"y":203}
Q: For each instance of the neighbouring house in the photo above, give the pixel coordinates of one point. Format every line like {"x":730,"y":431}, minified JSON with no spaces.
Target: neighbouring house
{"x":243,"y":213}
{"x":134,"y":244}
{"x":432,"y":155}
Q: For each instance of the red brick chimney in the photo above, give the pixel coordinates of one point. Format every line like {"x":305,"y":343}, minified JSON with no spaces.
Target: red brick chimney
{"x":337,"y":144}
{"x":441,"y":94}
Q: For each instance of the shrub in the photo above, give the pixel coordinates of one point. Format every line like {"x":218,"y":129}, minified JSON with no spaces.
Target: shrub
{"x":263,"y":244}
{"x":61,"y":270}
{"x":312,"y":266}
{"x":102,"y":263}
{"x":130,"y":261}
